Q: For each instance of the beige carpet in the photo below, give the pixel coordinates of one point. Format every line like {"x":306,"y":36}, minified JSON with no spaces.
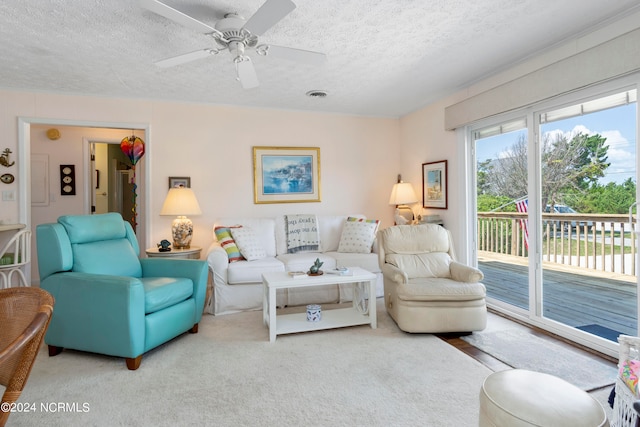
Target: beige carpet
{"x":230,"y":375}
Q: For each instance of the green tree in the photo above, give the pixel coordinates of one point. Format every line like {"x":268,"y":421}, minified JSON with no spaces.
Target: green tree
{"x":611,"y":198}
{"x":489,"y":202}
{"x":569,"y":166}
{"x":592,"y":159}
{"x":484,"y":169}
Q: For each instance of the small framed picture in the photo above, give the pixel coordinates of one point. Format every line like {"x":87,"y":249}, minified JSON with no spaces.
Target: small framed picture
{"x":434,"y":185}
{"x":180,"y":182}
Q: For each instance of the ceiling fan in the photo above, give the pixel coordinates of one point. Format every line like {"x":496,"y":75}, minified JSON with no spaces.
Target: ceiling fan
{"x":237,"y":35}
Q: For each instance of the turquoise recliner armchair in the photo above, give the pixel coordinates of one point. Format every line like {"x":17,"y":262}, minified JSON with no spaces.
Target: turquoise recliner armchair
{"x":109,"y":301}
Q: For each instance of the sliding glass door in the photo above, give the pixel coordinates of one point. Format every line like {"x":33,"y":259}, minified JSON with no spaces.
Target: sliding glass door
{"x":555,"y":215}
{"x":502,"y":238}
{"x":588,"y":186}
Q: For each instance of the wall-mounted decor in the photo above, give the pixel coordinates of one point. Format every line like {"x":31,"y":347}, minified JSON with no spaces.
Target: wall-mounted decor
{"x":7,"y":178}
{"x":434,"y":185}
{"x":180,"y":182}
{"x":286,"y":174}
{"x":53,"y":134}
{"x":4,"y":158}
{"x":133,"y":147}
{"x":68,"y":180}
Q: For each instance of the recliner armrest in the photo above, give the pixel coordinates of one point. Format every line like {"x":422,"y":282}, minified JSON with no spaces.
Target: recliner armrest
{"x":196,"y":270}
{"x":96,"y":312}
{"x":394,"y":273}
{"x":464,"y":273}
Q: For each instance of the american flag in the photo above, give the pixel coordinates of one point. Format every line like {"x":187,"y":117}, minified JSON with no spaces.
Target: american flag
{"x":522,"y":205}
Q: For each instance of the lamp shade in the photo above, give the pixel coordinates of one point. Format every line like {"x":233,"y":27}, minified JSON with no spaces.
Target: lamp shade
{"x":180,"y":201}
{"x":402,"y":194}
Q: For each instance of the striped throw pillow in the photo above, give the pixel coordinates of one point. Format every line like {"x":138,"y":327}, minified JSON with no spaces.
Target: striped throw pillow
{"x":223,"y":234}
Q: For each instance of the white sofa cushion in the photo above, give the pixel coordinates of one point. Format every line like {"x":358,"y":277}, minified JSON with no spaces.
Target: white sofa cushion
{"x":251,"y":271}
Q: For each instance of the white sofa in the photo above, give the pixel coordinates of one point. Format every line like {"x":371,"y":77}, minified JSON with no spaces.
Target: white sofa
{"x":237,"y":286}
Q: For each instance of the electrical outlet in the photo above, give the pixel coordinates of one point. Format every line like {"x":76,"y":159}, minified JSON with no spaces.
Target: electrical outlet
{"x":9,"y":196}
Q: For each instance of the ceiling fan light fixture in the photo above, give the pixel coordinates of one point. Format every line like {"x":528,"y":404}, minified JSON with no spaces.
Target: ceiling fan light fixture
{"x":317,"y":94}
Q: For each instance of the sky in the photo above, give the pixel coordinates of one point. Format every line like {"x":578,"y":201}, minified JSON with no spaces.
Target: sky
{"x":617,"y":125}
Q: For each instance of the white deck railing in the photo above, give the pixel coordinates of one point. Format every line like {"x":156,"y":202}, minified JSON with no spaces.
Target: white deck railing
{"x":600,"y":242}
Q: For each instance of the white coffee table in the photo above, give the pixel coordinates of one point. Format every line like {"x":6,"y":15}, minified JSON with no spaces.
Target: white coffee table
{"x":335,"y":318}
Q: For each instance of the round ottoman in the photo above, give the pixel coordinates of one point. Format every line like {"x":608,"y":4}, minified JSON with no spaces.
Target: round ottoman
{"x":518,"y":397}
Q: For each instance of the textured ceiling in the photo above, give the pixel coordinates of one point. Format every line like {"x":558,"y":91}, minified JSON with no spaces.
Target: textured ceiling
{"x":384,"y":57}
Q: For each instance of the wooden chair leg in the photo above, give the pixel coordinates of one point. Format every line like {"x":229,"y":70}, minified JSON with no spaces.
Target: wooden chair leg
{"x":194,"y":330}
{"x":54,"y":351}
{"x":133,"y":363}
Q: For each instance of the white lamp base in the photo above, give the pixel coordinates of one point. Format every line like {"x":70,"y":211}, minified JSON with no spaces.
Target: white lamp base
{"x":182,"y":230}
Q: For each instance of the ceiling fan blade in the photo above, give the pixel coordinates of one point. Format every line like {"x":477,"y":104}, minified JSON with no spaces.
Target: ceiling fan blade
{"x":186,"y":57}
{"x":269,"y":14}
{"x":176,"y":16}
{"x":247,"y":74}
{"x":299,"y":55}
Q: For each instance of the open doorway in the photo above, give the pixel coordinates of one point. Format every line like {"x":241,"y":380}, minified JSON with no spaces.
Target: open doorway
{"x":113,"y":177}
{"x":72,"y":147}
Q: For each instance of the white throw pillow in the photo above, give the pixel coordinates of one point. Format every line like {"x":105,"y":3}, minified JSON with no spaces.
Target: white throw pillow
{"x":248,"y":243}
{"x":358,"y":235}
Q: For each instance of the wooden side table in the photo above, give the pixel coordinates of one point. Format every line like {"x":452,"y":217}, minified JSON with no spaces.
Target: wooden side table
{"x":190,"y":253}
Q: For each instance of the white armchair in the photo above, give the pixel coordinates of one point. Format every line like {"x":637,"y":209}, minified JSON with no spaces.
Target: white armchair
{"x":425,"y":288}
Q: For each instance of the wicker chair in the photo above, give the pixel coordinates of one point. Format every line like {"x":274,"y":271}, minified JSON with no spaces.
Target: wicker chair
{"x":24,"y":316}
{"x":624,"y":414}
{"x":15,"y":254}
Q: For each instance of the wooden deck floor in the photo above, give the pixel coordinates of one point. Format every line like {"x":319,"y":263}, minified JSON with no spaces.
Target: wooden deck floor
{"x":572,"y":296}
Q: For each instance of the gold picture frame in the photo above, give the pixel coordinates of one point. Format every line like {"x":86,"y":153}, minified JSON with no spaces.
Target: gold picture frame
{"x":434,"y":185}
{"x":286,"y":174}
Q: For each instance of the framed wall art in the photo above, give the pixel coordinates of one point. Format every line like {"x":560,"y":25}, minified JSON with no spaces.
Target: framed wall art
{"x":434,"y":185}
{"x":68,"y":180}
{"x":286,"y":174}
{"x":179,"y":181}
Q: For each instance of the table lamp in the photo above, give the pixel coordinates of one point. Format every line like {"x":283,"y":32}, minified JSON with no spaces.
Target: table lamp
{"x":181,"y":201}
{"x":401,"y":195}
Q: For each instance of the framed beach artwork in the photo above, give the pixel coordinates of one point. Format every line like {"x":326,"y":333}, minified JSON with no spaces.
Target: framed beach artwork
{"x":286,"y":174}
{"x":434,"y":185}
